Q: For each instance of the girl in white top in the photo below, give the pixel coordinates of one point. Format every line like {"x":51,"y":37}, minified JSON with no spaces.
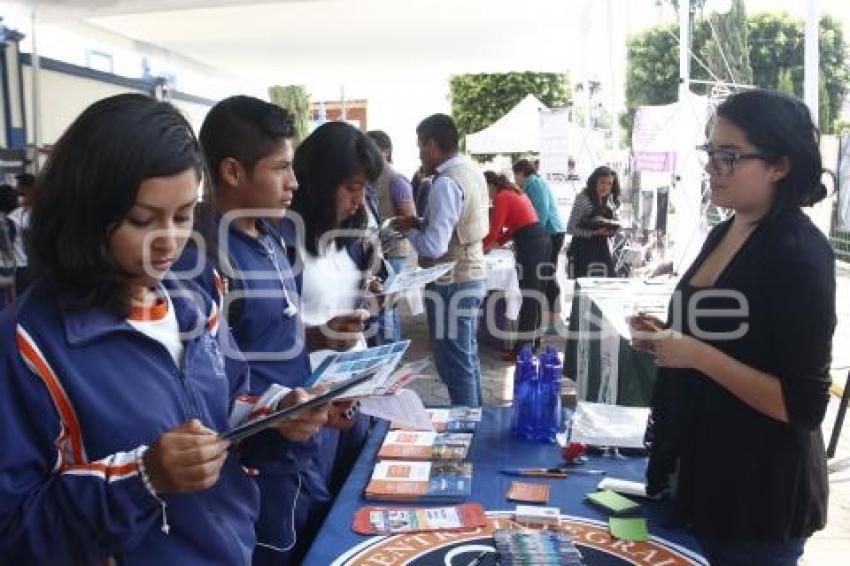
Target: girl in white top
{"x":331,"y":287}
{"x":334,"y":166}
{"x":328,"y":228}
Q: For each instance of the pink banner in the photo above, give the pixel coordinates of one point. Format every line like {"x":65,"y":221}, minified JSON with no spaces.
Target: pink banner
{"x":655,"y":161}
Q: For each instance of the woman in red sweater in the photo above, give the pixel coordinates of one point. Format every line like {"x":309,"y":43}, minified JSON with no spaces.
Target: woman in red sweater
{"x":513,"y":217}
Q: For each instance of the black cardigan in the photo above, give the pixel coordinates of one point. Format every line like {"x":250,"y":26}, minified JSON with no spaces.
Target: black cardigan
{"x":741,"y":474}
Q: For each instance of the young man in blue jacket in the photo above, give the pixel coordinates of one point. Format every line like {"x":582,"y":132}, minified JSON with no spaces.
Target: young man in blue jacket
{"x":247,"y":146}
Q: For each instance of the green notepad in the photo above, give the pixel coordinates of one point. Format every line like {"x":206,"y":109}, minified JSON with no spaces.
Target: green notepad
{"x":628,"y":529}
{"x":613,"y":502}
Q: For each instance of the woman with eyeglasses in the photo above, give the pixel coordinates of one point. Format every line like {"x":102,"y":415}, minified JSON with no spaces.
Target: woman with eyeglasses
{"x":744,"y":357}
{"x":591,"y":224}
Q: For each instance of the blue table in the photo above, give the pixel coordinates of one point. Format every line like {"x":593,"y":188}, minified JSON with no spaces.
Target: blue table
{"x":492,"y":450}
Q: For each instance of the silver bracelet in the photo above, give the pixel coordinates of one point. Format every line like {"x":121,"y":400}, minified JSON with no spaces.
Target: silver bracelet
{"x":146,"y":481}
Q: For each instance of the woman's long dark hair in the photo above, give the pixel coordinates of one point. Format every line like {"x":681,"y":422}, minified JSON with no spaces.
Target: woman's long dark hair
{"x":602,"y":208}
{"x":501,"y":182}
{"x":325,"y":159}
{"x":89,"y":185}
{"x":525,"y":167}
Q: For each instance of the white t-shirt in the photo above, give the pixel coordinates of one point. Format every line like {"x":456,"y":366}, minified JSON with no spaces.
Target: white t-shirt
{"x":20,"y":217}
{"x":160,"y":323}
{"x":329,"y":288}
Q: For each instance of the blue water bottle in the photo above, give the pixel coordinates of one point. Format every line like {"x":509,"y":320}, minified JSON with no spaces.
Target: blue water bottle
{"x":550,"y":416}
{"x":525,"y":378}
{"x":529,"y":420}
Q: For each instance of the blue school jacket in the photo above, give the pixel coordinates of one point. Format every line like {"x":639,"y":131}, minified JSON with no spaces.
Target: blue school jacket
{"x":250,"y":277}
{"x":81,"y":393}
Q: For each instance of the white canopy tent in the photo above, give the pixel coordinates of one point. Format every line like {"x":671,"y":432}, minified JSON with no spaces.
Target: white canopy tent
{"x":518,"y":131}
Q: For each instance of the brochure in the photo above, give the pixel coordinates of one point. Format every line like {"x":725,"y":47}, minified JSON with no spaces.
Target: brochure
{"x":407,"y":480}
{"x":392,"y":520}
{"x":382,"y":360}
{"x":424,"y":445}
{"x":339,"y":389}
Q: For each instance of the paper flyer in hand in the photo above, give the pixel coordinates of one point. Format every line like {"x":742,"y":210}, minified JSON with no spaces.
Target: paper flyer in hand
{"x":404,"y":280}
{"x":337,"y":391}
{"x":340,"y":366}
{"x":404,"y":407}
{"x":403,"y":375}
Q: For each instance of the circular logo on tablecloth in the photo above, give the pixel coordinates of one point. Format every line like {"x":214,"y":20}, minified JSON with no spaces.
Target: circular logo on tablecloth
{"x":460,"y":548}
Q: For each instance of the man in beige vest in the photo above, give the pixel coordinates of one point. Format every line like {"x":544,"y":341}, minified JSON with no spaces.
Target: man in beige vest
{"x":394,"y":197}
{"x":454,"y":224}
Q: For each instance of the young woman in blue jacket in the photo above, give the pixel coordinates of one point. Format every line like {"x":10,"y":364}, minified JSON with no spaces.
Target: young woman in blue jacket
{"x":114,"y":382}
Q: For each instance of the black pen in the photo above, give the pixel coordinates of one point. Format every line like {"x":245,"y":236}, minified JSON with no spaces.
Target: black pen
{"x":584,"y":472}
{"x":551,"y":472}
{"x":478,"y":559}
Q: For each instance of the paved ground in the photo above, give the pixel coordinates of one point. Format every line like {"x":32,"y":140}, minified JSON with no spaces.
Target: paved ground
{"x":828,"y":547}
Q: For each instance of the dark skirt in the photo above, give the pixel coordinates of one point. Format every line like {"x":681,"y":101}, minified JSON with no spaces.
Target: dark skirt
{"x":590,"y":257}
{"x":532,"y":250}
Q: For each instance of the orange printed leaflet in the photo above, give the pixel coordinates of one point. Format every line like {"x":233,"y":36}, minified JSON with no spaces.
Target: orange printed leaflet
{"x":529,"y":492}
{"x":423,"y":445}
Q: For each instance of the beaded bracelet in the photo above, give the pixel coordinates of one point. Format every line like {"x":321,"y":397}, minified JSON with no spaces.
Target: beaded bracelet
{"x":146,"y":481}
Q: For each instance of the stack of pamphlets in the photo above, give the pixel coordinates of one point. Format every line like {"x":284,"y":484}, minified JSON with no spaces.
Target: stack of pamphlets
{"x":536,"y":547}
{"x":392,"y":520}
{"x":454,"y":419}
{"x":425,"y":445}
{"x":424,"y":482}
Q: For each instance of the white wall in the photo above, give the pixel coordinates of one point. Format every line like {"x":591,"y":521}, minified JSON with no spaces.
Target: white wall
{"x":194,"y":112}
{"x":63,"y":98}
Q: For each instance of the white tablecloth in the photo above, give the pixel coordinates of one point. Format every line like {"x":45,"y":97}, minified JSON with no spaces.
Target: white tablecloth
{"x":501,"y":276}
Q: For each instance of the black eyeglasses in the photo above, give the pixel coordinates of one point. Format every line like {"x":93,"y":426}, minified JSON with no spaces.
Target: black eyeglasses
{"x":723,"y":161}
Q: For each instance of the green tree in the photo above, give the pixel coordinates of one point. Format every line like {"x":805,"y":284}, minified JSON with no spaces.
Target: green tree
{"x":726,"y":50}
{"x":775,"y":57}
{"x":480,"y":99}
{"x":652,"y":72}
{"x":295,"y":99}
{"x":776,"y":53}
{"x":785,"y":82}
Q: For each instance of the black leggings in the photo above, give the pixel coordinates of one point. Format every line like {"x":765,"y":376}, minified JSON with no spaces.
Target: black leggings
{"x":551,"y":269}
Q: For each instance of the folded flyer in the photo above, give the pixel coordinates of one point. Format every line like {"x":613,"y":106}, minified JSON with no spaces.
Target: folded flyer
{"x":339,"y":390}
{"x":371,"y":520}
{"x":406,"y":480}
{"x":405,"y":280}
{"x":425,"y":445}
{"x":382,"y":360}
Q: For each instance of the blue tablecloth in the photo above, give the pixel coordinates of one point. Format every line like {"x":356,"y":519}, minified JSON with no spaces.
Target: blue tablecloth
{"x":492,"y":450}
